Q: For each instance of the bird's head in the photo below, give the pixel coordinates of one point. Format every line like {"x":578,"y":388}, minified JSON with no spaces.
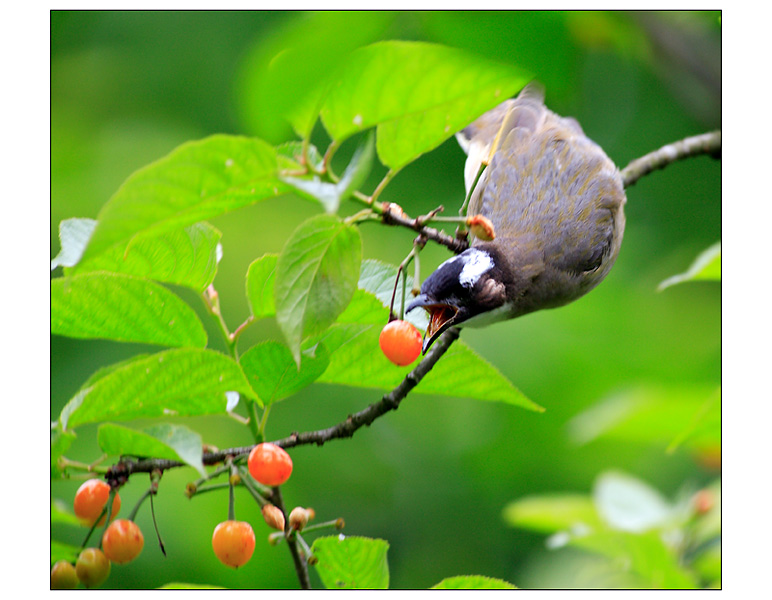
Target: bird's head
{"x":470,"y":287}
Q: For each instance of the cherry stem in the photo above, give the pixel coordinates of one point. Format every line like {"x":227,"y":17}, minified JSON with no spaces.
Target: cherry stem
{"x":155,"y":525}
{"x":401,"y":271}
{"x":93,"y":526}
{"x":108,"y":513}
{"x":260,"y":497}
{"x":231,"y":495}
{"x":306,"y":549}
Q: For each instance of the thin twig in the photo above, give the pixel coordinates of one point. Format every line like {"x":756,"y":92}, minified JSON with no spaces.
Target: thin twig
{"x":393,"y":217}
{"x":707,"y":143}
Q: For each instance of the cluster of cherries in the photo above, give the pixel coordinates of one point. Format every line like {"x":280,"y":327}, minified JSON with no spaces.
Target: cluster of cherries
{"x":233,"y":541}
{"x":122,"y":541}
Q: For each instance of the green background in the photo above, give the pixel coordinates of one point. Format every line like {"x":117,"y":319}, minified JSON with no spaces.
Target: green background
{"x":433,"y":477}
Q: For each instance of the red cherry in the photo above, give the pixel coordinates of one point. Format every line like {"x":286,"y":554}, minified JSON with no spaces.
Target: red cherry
{"x":123,"y":541}
{"x":401,"y":342}
{"x":233,"y":542}
{"x":90,"y":500}
{"x":270,"y":464}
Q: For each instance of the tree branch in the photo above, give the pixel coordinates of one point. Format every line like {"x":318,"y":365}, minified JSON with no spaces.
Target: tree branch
{"x":707,"y":143}
{"x":388,"y":402}
{"x":394,"y":215}
{"x":301,"y":564}
{"x":121,"y":471}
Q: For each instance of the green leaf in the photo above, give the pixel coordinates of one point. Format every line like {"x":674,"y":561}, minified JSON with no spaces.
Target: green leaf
{"x":186,"y":257}
{"x":197,"y":181}
{"x":378,"y":278}
{"x":418,"y":94}
{"x":706,"y":267}
{"x":473,"y":582}
{"x":285,"y":74}
{"x":294,"y":152}
{"x":358,"y":168}
{"x":182,"y":382}
{"x":645,"y":554}
{"x":356,"y":360}
{"x":330,"y":195}
{"x":313,"y":188}
{"x":260,"y":284}
{"x":552,"y":512}
{"x":573,"y":520}
{"x":174,"y":442}
{"x":352,"y":562}
{"x":74,"y":235}
{"x":123,"y":308}
{"x":273,"y":374}
{"x":316,"y":276}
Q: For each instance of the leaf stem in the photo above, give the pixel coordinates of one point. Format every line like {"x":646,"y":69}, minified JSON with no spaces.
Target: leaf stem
{"x":256,"y":424}
{"x":212,"y":303}
{"x":327,"y":161}
{"x":391,"y":174}
{"x":262,"y":424}
{"x":65,"y":462}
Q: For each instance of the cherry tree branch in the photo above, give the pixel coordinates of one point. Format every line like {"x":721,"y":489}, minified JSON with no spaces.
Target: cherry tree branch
{"x":394,"y":215}
{"x":387,"y":403}
{"x":121,"y":471}
{"x":706,"y":143}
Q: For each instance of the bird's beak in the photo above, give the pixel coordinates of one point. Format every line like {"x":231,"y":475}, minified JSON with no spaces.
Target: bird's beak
{"x":441,"y":316}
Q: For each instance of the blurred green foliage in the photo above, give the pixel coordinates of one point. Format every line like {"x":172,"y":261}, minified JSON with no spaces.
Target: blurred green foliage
{"x":433,"y":478}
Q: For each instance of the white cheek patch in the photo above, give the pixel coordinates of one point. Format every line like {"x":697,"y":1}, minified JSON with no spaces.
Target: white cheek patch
{"x":476,"y":264}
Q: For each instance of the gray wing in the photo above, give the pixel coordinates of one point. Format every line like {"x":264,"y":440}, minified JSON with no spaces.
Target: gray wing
{"x":527,"y":112}
{"x":550,"y":189}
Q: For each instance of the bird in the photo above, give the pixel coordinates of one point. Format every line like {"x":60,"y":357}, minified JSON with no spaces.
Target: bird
{"x":556,"y":203}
